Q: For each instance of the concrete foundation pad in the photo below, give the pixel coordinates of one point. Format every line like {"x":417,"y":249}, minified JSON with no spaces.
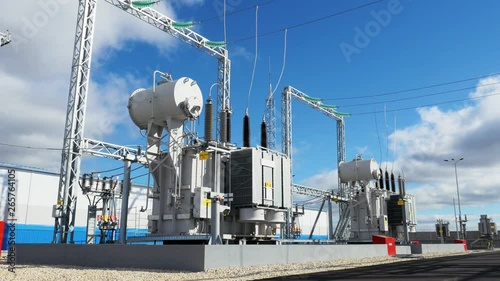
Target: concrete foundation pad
{"x":188,"y":257}
{"x":436,"y":248}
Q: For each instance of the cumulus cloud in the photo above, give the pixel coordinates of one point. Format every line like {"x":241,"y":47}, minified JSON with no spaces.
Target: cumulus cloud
{"x":35,"y":71}
{"x":471,"y":132}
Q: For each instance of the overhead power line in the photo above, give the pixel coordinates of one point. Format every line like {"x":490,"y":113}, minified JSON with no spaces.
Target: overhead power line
{"x":234,"y":12}
{"x":307,"y":22}
{"x":414,"y":89}
{"x":134,"y":169}
{"x":419,"y":96}
{"x":107,"y":171}
{"x":31,"y":147}
{"x":139,"y":176}
{"x":426,"y":105}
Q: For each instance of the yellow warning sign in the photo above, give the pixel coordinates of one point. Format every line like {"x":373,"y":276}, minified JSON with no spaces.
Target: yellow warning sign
{"x":59,"y":202}
{"x":204,"y":155}
{"x":207,"y":202}
{"x":268,"y":184}
{"x":401,"y":202}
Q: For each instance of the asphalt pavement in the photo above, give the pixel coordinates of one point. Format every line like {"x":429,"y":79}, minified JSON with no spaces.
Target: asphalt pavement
{"x":480,"y":266}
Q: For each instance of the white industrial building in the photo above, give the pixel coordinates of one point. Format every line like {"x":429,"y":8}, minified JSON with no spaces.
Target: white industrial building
{"x":37,"y":194}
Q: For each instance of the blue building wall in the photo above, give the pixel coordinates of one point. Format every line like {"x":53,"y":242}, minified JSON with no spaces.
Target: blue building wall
{"x":43,"y":234}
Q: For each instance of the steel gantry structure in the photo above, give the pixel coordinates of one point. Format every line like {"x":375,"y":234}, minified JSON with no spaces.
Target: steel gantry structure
{"x":341,"y":231}
{"x":270,"y":120}
{"x":4,"y":38}
{"x":72,"y":150}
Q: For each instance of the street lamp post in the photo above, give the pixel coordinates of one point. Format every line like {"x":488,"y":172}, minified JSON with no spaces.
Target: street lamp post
{"x":462,"y":234}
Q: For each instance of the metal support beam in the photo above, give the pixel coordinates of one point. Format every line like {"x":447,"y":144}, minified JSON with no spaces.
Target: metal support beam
{"x":75,"y":121}
{"x":310,"y":191}
{"x":125,"y":196}
{"x":188,"y":36}
{"x":113,"y":151}
{"x":77,"y":100}
{"x":330,"y":219}
{"x":341,"y":231}
{"x":270,"y":119}
{"x":317,"y":218}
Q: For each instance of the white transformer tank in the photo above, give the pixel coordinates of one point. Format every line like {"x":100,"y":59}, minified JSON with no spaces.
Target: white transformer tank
{"x":358,"y":170}
{"x":179,"y":100}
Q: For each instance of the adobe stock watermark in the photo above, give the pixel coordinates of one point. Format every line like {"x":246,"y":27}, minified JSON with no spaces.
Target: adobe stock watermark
{"x":30,"y":26}
{"x":363,"y":37}
{"x":230,"y":7}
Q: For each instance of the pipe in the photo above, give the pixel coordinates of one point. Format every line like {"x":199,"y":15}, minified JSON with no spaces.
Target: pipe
{"x":125,"y":196}
{"x":215,"y":222}
{"x":330,"y":219}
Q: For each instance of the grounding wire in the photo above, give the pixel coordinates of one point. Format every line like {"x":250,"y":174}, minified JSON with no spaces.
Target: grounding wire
{"x":415,"y":89}
{"x":308,"y":22}
{"x":386,"y":137}
{"x":378,"y":133}
{"x":256,"y":53}
{"x":284,"y":63}
{"x":426,"y":105}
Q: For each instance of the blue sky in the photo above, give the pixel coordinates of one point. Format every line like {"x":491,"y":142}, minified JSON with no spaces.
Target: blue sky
{"x":422,"y":43}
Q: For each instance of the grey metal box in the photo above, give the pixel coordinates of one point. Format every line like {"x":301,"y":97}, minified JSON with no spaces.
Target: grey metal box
{"x":260,"y":177}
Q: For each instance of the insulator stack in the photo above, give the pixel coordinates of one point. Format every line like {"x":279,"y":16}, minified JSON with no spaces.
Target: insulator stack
{"x":209,"y":123}
{"x":381,"y":180}
{"x":393,"y":183}
{"x":228,"y":124}
{"x":404,"y":187}
{"x":400,"y":185}
{"x":105,"y":183}
{"x":387,"y":183}
{"x":246,"y":131}
{"x":263,"y":134}
{"x":223,"y":126}
{"x":85,"y":180}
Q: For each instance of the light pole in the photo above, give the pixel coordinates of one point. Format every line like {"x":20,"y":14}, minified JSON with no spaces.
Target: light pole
{"x":456,"y":221}
{"x":462,"y":234}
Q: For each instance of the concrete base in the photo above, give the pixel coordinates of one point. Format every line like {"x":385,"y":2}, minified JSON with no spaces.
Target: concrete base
{"x":188,"y":257}
{"x":403,"y":250}
{"x":436,"y":248}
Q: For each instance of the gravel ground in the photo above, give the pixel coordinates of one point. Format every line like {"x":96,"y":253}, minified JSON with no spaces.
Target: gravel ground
{"x":32,"y":272}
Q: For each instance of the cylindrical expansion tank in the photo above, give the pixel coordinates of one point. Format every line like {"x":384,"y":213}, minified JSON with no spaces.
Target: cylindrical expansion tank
{"x":358,"y":170}
{"x":179,"y":99}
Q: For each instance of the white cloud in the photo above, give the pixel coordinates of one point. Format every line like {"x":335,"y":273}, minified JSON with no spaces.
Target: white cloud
{"x":470,"y":132}
{"x":326,"y":180}
{"x":35,"y":71}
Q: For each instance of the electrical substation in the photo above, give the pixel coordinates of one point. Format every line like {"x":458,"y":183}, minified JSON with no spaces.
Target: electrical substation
{"x":227,"y":204}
